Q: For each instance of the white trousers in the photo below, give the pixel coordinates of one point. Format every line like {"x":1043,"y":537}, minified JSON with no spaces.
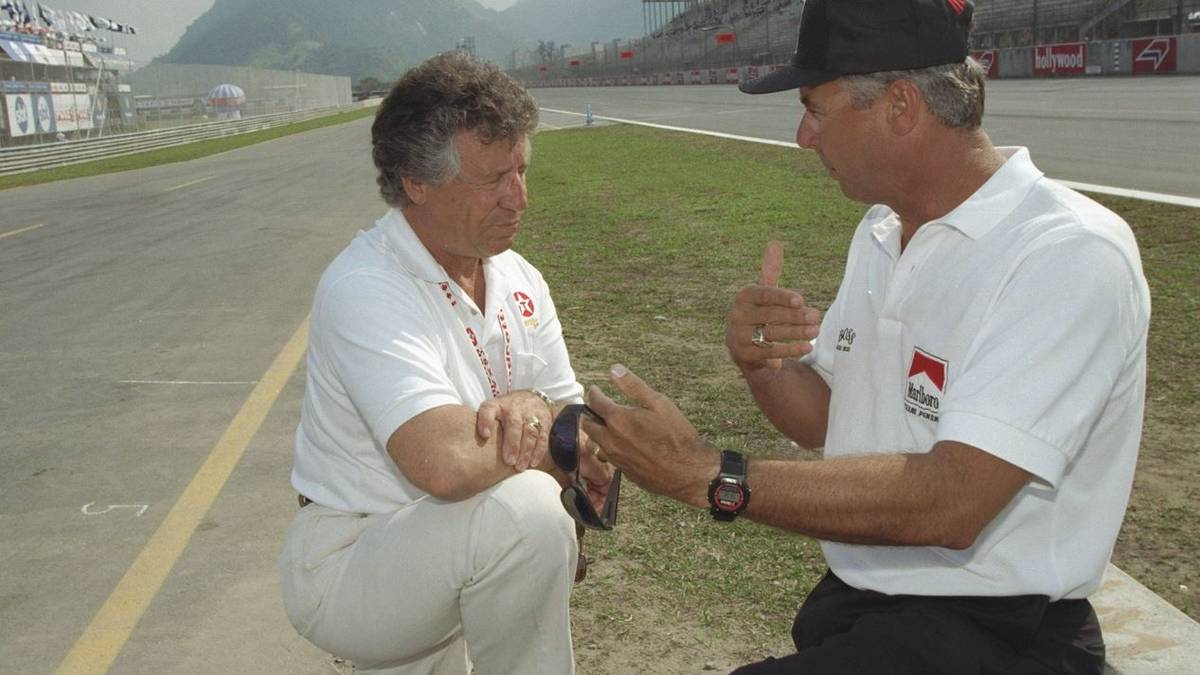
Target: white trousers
{"x":436,"y":585}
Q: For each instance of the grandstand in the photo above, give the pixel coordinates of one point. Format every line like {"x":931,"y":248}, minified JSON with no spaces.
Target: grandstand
{"x":1015,"y":23}
{"x":61,"y":76}
{"x":690,"y":34}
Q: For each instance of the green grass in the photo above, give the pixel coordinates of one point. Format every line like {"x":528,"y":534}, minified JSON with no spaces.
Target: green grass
{"x":180,"y":153}
{"x":644,"y":237}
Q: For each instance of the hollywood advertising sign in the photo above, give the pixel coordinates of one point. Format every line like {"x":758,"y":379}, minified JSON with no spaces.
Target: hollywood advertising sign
{"x":1064,"y":59}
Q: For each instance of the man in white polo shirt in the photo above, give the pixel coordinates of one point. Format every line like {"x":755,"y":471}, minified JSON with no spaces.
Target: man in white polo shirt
{"x":977,"y":384}
{"x":431,"y":534}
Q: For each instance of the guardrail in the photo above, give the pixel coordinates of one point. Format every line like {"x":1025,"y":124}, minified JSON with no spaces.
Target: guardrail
{"x":46,"y":156}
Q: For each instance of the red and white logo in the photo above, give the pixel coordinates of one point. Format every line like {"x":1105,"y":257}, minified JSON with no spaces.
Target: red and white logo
{"x":525,"y":303}
{"x":1155,"y":55}
{"x":957,"y":5}
{"x":926,"y":384}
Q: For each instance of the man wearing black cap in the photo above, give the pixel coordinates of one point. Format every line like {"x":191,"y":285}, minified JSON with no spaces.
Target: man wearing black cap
{"x":977,"y":384}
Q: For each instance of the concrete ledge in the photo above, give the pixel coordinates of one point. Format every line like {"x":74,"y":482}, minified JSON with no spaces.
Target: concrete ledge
{"x":1145,"y":634}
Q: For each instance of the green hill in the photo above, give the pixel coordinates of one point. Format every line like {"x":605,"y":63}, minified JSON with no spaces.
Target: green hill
{"x":337,"y":37}
{"x":381,"y":38}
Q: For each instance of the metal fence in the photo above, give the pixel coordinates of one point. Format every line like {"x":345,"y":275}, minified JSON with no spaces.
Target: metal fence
{"x":33,"y":158}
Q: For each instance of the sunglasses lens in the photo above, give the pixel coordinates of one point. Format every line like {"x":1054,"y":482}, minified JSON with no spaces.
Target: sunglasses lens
{"x":564,"y":439}
{"x":579,"y":507}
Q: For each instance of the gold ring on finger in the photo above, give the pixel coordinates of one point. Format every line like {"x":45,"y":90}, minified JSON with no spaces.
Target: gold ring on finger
{"x":758,"y":337}
{"x":533,"y":423}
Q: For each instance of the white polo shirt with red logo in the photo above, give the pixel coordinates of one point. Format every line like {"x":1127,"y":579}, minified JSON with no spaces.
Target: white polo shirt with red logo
{"x":390,"y":337}
{"x":1017,"y":324}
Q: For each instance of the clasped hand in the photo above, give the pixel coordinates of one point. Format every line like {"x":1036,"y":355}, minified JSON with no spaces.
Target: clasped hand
{"x":522,"y":419}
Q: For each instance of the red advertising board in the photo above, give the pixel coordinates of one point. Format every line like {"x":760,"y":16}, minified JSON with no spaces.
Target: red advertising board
{"x":990,"y":60}
{"x":1154,"y":55}
{"x":1064,"y":59}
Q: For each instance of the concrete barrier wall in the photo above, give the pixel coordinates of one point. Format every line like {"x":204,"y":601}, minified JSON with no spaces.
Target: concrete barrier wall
{"x":266,"y":90}
{"x":1189,"y":53}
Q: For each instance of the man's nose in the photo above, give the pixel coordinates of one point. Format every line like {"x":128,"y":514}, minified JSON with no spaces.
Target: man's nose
{"x":805,"y":136}
{"x":516,"y":198}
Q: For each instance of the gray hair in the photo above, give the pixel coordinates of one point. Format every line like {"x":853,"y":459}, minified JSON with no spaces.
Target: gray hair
{"x":413,"y":133}
{"x":953,"y":92}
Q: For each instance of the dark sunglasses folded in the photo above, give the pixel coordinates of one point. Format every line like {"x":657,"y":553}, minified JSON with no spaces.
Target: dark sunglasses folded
{"x":564,"y":450}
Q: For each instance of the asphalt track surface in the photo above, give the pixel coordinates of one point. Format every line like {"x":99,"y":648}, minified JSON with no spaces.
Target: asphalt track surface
{"x":1131,"y":132}
{"x":151,"y":323}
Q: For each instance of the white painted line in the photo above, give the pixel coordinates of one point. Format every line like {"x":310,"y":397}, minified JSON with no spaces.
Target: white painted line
{"x":195,"y":182}
{"x":186,"y":382}
{"x":735,"y":137}
{"x":23,"y":229}
{"x":141,"y":508}
{"x":1177,"y":200}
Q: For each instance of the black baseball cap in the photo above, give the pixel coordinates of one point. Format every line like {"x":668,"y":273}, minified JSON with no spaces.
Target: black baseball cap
{"x":852,"y":37}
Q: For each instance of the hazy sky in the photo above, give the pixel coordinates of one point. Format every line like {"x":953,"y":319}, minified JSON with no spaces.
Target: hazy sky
{"x":160,"y":23}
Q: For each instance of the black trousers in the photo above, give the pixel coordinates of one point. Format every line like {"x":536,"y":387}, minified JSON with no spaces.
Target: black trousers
{"x":842,"y":630}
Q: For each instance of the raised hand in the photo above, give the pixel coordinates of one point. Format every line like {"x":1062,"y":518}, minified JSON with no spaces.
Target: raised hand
{"x":768,"y":324}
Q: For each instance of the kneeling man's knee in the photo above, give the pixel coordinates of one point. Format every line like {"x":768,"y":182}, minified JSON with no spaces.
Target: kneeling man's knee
{"x":524,"y":516}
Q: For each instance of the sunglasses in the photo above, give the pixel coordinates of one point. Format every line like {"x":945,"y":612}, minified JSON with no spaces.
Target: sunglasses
{"x":564,"y":450}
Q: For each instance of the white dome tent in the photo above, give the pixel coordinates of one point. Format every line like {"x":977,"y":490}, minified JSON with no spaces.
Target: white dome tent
{"x":226,"y":101}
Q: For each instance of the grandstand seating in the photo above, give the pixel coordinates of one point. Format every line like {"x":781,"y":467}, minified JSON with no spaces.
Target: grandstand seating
{"x":1010,"y":23}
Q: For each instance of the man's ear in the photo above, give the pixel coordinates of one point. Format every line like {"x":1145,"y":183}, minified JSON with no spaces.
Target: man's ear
{"x":417,"y":191}
{"x":904,"y":106}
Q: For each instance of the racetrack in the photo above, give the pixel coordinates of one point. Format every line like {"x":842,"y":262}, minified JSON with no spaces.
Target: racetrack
{"x":138,"y":319}
{"x":1134,"y":133}
{"x":141,"y":310}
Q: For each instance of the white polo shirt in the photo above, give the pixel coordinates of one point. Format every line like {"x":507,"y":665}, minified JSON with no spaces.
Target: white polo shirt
{"x":390,"y":337}
{"x":1017,"y":324}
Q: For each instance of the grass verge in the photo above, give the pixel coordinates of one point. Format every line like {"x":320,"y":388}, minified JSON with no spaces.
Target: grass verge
{"x":644,"y":237}
{"x":179,"y":153}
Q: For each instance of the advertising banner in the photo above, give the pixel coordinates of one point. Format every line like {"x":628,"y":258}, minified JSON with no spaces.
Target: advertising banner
{"x":1064,"y":59}
{"x":20,"y":115}
{"x":72,"y":112}
{"x":1155,"y":55}
{"x":990,"y":60}
{"x":43,"y":113}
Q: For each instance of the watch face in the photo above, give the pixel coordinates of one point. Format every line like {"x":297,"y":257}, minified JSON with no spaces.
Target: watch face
{"x":728,"y":497}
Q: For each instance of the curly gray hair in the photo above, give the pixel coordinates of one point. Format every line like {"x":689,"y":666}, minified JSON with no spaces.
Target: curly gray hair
{"x":413,"y":133}
{"x":954,"y":92}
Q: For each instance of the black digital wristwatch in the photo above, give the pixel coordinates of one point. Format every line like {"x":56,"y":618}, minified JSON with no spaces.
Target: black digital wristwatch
{"x":728,"y":493}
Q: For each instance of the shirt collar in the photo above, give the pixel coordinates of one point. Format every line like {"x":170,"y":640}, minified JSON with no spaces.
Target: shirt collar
{"x":408,"y":249}
{"x":997,"y":197}
{"x":410,"y":252}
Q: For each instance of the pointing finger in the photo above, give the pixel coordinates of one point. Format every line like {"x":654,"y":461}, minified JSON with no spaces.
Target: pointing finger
{"x":633,"y":386}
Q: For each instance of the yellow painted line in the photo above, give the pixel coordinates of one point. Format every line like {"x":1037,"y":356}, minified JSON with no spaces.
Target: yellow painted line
{"x":195,"y":182}
{"x":23,"y":229}
{"x":109,"y":629}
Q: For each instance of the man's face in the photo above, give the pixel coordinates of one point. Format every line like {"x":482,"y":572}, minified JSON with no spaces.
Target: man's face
{"x":477,"y":213}
{"x":846,"y":140}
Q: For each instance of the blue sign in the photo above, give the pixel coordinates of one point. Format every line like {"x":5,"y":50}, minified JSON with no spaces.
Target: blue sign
{"x":22,"y":115}
{"x":44,"y":118}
